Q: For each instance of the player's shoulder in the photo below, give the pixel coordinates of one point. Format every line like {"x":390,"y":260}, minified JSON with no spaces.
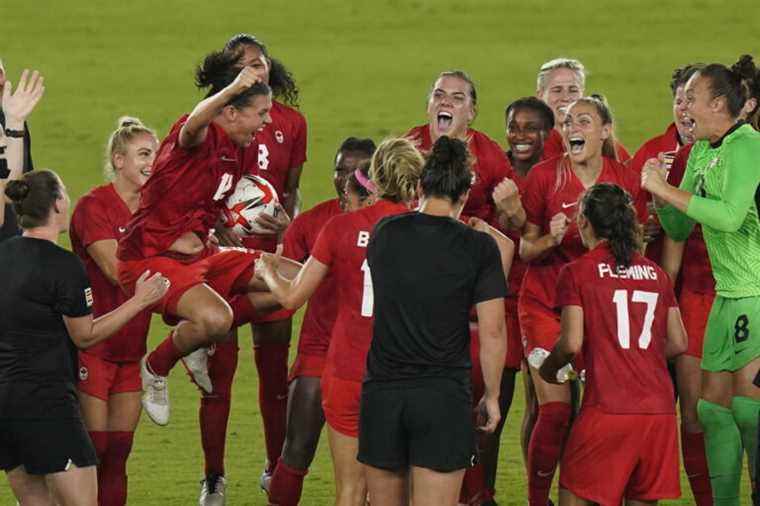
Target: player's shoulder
{"x":743,"y":136}
{"x":320,"y":212}
{"x":97,"y":198}
{"x":545,"y":169}
{"x":286,"y":114}
{"x":659,"y":142}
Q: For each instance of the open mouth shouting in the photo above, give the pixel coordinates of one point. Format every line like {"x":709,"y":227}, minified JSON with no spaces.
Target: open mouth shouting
{"x":577,"y":143}
{"x":444,"y":121}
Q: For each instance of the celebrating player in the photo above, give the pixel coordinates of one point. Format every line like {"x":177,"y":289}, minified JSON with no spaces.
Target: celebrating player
{"x":340,"y":249}
{"x":718,"y":190}
{"x":561,"y":82}
{"x":197,"y":166}
{"x":305,"y":416}
{"x":109,"y":373}
{"x":550,"y":239}
{"x":619,"y":309}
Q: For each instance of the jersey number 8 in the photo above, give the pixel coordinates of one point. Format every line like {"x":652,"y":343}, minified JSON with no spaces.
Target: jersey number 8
{"x":620,"y":298}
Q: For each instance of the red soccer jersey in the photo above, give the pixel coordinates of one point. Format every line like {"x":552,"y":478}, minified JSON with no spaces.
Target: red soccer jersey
{"x":298,"y":244}
{"x":489,"y":164}
{"x":517,"y":270}
{"x":342,"y":245}
{"x":185,"y":193}
{"x":625,"y":322}
{"x":552,"y":187}
{"x":696,"y":271}
{"x":102,"y":215}
{"x":554,"y":146}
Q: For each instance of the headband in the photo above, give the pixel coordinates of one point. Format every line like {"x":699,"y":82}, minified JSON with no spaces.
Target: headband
{"x":366,"y":183}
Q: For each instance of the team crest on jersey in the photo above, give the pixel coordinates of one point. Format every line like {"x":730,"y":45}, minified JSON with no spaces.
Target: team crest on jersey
{"x":279,"y":136}
{"x":83,"y":373}
{"x":88,"y":296}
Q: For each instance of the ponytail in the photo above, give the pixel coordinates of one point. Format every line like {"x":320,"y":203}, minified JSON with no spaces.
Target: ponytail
{"x":609,"y":210}
{"x":737,"y":84}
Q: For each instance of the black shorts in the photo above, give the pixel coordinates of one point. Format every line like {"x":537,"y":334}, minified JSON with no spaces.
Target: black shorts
{"x":425,"y":423}
{"x":45,"y":446}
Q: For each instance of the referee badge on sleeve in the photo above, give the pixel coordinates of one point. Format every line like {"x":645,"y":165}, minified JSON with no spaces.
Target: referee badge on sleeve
{"x":88,"y":296}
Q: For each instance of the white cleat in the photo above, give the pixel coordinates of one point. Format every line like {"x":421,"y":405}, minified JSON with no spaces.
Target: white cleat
{"x":196,"y":365}
{"x":155,"y":397}
{"x":266,"y":478}
{"x":213,"y":488}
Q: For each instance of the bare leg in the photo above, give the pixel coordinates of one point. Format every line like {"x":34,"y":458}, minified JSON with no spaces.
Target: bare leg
{"x":305,"y":422}
{"x":350,"y":483}
{"x":78,"y":486}
{"x":387,"y":488}
{"x":30,"y":490}
{"x":431,"y":488}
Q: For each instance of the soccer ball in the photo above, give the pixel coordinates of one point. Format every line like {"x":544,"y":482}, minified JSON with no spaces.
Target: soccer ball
{"x":252,"y":197}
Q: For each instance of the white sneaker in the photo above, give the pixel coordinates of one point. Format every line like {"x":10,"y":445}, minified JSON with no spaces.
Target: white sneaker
{"x":196,"y":365}
{"x":266,"y":478}
{"x":155,"y":398}
{"x":213,"y":488}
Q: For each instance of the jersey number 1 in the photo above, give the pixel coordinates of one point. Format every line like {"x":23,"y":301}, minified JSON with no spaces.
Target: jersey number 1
{"x":620,"y":298}
{"x":368,"y":296}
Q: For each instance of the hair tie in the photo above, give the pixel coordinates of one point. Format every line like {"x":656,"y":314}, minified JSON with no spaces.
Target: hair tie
{"x":366,"y":183}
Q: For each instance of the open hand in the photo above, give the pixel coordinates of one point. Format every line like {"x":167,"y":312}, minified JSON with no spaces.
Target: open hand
{"x":274,"y":224}
{"x":150,"y":289}
{"x":19,"y":104}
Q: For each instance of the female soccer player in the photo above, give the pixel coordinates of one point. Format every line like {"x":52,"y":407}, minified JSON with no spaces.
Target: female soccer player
{"x":561,"y":82}
{"x":719,"y":191}
{"x":550,"y":239}
{"x":109,"y":373}
{"x":340,"y":250}
{"x":197,"y":166}
{"x":619,"y":311}
{"x":44,"y":447}
{"x":416,"y":393}
{"x":305,"y":416}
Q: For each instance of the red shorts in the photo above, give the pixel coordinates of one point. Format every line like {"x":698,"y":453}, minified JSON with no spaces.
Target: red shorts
{"x":307,"y":365}
{"x":637,"y":456}
{"x":340,"y":402}
{"x":227,"y":271}
{"x":540,"y":327}
{"x":101,"y":378}
{"x":276,"y":316}
{"x":695,"y":308}
{"x":266,"y":243}
{"x":514,"y":335}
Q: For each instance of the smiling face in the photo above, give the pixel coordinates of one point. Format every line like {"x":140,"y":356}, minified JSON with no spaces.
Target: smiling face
{"x":450,"y":108}
{"x":563,"y":87}
{"x":584,"y":132}
{"x":525,"y":134}
{"x":135,"y":164}
{"x":683,"y":124}
{"x":242,"y":124}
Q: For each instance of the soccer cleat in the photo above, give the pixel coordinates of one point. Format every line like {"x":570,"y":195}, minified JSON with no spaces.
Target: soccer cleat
{"x":196,"y":365}
{"x":155,"y":397}
{"x":266,"y":478}
{"x":213,"y":488}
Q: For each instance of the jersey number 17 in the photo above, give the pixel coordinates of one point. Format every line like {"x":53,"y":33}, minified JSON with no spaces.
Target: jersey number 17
{"x":620,"y":298}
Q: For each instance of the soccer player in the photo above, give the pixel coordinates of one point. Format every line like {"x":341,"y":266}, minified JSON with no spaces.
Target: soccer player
{"x":197,"y":166}
{"x":561,"y":82}
{"x":305,"y":416}
{"x":44,"y":447}
{"x":340,"y":249}
{"x":619,"y":312}
{"x":109,"y":373}
{"x":719,"y":191}
{"x":550,"y":239}
{"x":416,"y":393}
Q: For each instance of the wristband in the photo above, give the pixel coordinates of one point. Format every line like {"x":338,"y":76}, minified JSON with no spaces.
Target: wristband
{"x":18,"y":134}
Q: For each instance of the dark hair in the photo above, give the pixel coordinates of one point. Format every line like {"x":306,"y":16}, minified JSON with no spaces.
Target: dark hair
{"x":609,"y":209}
{"x":746,"y":67}
{"x":353,"y":183}
{"x":280,"y":79}
{"x":735,"y":83}
{"x":681,"y":75}
{"x":218,"y":70}
{"x":461,"y":74}
{"x":33,"y":196}
{"x":447,"y":172}
{"x":536,"y":105}
{"x":366,"y":146}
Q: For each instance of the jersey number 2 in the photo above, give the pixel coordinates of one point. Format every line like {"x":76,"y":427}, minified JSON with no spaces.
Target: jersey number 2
{"x":368,"y":296}
{"x":620,"y":298}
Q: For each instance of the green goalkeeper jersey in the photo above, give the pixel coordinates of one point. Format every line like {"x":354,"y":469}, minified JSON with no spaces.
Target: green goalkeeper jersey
{"x":723,"y":179}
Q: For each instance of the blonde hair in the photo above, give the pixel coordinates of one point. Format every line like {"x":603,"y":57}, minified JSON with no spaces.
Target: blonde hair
{"x":127,"y":129}
{"x":560,"y":63}
{"x":395,"y":168}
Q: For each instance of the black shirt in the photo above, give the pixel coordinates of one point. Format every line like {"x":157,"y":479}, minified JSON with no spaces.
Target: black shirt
{"x":38,"y":361}
{"x":427,"y":273}
{"x":10,"y":227}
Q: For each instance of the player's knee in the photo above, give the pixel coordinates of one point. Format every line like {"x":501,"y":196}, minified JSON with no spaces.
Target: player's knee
{"x":216,"y":323}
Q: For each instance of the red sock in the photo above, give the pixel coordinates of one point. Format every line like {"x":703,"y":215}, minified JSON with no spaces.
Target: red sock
{"x":272,"y":365}
{"x":695,"y":464}
{"x":544,"y":449}
{"x":242,"y":311}
{"x":100,"y":442}
{"x":286,"y":485}
{"x":164,"y":357}
{"x":474,"y":489}
{"x":215,"y":408}
{"x":113,"y":482}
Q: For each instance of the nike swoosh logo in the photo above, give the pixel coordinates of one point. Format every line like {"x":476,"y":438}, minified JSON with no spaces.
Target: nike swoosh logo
{"x":544,"y":474}
{"x":227,"y":159}
{"x":566,"y":206}
{"x":122,"y":230}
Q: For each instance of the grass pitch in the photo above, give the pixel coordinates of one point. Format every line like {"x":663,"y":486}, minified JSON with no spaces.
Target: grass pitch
{"x":364,"y":69}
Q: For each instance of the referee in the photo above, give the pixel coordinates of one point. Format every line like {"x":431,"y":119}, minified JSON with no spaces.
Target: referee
{"x":428,"y":271}
{"x":45,"y":313}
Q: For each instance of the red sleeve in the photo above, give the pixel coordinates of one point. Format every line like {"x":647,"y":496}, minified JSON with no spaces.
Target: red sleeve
{"x":294,"y":243}
{"x":326,"y":240}
{"x":678,"y":169}
{"x":534,"y":198}
{"x":567,"y":289}
{"x":298,"y":156}
{"x":90,"y":221}
{"x":622,"y":153}
{"x":639,"y":159}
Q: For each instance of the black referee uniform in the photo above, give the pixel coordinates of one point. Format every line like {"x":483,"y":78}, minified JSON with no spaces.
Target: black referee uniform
{"x":9,"y":228}
{"x":40,"y":424}
{"x":416,"y":407}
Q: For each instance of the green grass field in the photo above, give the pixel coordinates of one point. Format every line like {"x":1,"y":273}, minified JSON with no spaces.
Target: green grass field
{"x":364,"y":69}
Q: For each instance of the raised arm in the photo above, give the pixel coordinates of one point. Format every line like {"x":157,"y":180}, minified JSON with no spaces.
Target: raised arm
{"x":290,"y":293}
{"x":534,"y":244}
